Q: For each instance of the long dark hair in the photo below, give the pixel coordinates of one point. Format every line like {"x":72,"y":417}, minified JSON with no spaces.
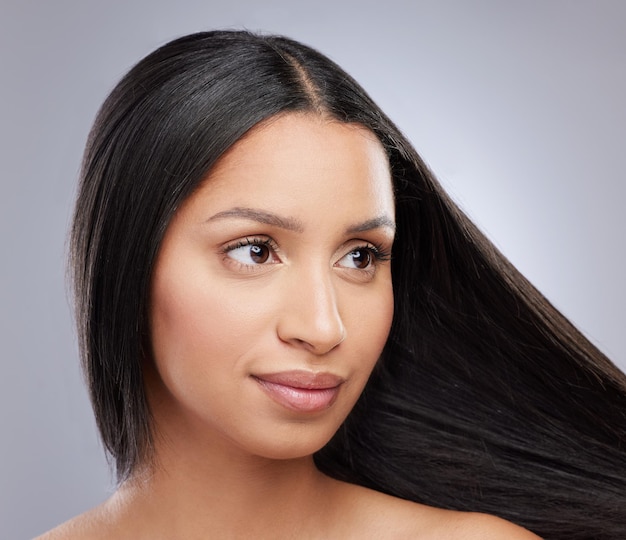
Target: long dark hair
{"x":485,"y":398}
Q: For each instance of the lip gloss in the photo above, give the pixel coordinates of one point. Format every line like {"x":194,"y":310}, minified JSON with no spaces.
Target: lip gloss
{"x":301,"y":391}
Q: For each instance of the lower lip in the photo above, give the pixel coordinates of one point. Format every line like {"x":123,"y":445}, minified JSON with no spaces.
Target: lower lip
{"x":300,"y":399}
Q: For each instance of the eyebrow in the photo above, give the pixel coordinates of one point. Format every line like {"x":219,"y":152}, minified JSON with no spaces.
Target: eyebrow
{"x":295,"y":225}
{"x":375,"y":223}
{"x":261,"y":216}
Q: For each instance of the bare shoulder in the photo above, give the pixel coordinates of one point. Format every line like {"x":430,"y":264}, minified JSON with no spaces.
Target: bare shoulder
{"x":468,"y":525}
{"x":95,"y":524}
{"x":384,"y":516}
{"x":83,"y":526}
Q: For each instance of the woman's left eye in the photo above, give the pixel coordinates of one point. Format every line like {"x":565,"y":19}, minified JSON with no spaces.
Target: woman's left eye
{"x":251,"y":252}
{"x":361,"y":259}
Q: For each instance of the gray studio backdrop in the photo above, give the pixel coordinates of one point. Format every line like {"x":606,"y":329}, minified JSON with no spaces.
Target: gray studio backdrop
{"x":518,"y":106}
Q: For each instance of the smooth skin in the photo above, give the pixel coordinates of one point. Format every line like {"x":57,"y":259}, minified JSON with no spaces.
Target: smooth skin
{"x":278,"y":263}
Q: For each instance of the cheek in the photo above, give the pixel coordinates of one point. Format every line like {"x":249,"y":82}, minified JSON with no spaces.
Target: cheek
{"x":380,"y":325}
{"x":181,"y":317}
{"x":371,"y":323}
{"x":191,"y":306}
{"x":191,"y":324}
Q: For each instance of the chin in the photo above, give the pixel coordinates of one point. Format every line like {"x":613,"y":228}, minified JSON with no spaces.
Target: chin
{"x":296,"y":443}
{"x":295,"y":450}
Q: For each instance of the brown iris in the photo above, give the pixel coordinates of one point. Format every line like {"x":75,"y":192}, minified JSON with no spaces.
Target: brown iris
{"x":259,"y":253}
{"x":362,"y":258}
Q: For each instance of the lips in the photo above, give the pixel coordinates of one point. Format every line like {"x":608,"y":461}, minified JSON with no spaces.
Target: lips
{"x":301,"y":391}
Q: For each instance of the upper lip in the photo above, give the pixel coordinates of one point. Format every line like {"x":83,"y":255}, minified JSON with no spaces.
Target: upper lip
{"x":308,"y":380}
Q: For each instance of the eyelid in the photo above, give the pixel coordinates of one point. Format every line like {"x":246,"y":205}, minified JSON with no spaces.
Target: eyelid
{"x":378,"y":250}
{"x":378,"y":254}
{"x":250,"y":241}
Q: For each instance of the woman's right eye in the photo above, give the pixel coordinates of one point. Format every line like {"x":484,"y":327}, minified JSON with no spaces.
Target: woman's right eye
{"x":252,"y":252}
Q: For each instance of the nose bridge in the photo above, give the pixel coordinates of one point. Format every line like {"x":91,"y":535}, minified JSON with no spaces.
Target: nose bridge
{"x":310,"y":312}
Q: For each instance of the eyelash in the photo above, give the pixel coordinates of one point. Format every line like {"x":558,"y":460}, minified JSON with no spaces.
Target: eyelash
{"x":252,"y":241}
{"x":378,"y":253}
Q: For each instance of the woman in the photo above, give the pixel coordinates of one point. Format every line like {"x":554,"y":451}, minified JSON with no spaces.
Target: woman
{"x":241,"y":198}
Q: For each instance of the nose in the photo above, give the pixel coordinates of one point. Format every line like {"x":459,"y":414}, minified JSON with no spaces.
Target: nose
{"x":309,"y":315}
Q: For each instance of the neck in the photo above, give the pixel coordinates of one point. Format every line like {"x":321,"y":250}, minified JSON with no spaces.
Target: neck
{"x":202,"y":488}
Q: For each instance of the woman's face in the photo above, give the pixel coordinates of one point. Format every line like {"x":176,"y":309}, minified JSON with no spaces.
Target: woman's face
{"x":271,"y":298}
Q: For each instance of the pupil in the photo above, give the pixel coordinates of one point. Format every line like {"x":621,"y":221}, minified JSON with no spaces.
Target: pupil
{"x":361,"y":258}
{"x":259,"y":254}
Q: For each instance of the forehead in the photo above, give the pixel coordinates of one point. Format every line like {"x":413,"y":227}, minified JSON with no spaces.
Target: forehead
{"x":289,"y":129}
{"x":294,"y":155}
